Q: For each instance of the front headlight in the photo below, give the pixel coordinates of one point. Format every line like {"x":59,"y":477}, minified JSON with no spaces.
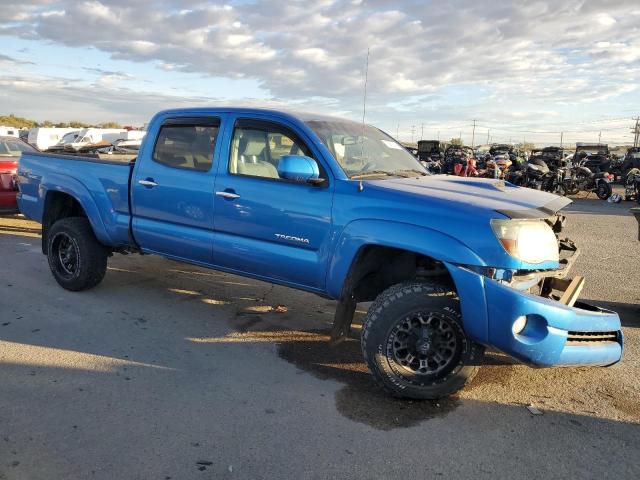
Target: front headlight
{"x":531,"y":241}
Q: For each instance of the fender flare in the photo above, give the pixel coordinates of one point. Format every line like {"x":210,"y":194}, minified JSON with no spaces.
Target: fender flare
{"x":79,"y":192}
{"x":404,"y":236}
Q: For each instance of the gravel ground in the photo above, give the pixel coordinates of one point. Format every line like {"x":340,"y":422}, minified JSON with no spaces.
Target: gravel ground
{"x":167,"y":371}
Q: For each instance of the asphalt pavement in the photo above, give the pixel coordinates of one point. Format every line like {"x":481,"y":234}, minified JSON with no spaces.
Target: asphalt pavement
{"x":168,"y":371}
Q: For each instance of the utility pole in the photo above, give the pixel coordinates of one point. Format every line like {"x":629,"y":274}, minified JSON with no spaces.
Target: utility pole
{"x":422,"y":132}
{"x":473,"y":133}
{"x":636,"y":133}
{"x":460,"y":137}
{"x":561,"y":135}
{"x":599,"y":136}
{"x":438,"y":135}
{"x":488,"y":129}
{"x":413,"y":129}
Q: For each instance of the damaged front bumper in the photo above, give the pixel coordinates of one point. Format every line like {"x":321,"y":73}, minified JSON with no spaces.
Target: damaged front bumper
{"x":554,"y":333}
{"x":536,"y":316}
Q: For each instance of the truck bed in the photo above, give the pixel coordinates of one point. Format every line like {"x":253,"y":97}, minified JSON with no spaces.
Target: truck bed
{"x":100,"y":185}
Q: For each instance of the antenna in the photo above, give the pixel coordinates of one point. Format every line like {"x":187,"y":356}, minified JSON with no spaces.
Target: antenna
{"x":364,"y":112}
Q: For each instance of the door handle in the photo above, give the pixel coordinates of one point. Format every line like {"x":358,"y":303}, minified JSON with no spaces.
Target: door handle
{"x":148,"y":183}
{"x":228,"y":195}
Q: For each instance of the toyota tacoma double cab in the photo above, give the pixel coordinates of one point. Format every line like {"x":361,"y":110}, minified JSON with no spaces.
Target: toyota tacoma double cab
{"x":451,"y":265}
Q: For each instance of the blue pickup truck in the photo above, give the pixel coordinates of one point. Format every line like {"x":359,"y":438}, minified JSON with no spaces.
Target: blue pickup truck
{"x":452,"y":265}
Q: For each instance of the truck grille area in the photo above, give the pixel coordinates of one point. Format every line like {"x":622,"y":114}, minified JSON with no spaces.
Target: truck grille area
{"x":584,"y":338}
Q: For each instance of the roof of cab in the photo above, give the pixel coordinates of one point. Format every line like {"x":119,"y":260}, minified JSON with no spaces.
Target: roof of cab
{"x":292,"y":115}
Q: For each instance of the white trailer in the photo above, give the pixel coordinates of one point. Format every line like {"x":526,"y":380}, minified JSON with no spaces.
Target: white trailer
{"x":124,"y":135}
{"x":9,"y":131}
{"x":45,"y":137}
{"x":89,"y":136}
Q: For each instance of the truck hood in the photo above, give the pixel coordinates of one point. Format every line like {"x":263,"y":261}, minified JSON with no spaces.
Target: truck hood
{"x":479,"y":193}
{"x":462,"y":208}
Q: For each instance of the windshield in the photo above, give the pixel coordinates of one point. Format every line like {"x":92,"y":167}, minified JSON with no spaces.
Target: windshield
{"x":365,"y":151}
{"x":10,"y":148}
{"x":68,"y":138}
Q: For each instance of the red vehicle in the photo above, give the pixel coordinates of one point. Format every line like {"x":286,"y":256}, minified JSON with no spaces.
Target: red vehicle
{"x":11,"y":149}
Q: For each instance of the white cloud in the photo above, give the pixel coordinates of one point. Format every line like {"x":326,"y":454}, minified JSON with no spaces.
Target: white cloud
{"x":544,"y":53}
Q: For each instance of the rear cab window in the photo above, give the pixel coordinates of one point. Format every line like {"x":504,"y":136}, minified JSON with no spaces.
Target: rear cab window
{"x":187,"y":143}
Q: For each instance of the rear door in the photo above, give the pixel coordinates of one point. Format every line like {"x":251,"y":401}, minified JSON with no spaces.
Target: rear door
{"x":265,"y":225}
{"x":172,"y":189}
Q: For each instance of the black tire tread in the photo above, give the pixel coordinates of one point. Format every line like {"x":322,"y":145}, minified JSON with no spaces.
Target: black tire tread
{"x":95,"y":254}
{"x":397,"y":291}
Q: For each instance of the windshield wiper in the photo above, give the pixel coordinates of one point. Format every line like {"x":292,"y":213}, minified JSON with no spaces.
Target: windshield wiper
{"x":373,"y":173}
{"x":403,"y":172}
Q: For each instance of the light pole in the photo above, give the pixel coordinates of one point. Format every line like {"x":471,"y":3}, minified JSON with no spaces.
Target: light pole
{"x":473,"y":133}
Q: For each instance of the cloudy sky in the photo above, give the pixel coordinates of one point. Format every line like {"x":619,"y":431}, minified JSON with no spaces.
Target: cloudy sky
{"x":522,"y":69}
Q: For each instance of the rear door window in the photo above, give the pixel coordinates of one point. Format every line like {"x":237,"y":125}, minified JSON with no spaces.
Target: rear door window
{"x":187,"y":143}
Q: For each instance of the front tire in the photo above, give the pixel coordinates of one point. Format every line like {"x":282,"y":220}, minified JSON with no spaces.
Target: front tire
{"x":76,"y":259}
{"x":414,"y":342}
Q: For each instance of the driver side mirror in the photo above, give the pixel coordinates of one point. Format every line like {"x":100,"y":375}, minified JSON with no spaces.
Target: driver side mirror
{"x":300,"y":169}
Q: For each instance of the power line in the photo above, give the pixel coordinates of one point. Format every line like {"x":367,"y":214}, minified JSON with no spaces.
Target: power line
{"x":515,"y":130}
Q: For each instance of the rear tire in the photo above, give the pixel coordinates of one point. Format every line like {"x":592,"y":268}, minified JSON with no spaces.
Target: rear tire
{"x":76,"y":259}
{"x":414,"y":342}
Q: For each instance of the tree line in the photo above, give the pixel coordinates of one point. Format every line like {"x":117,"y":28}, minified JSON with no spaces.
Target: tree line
{"x":12,"y":120}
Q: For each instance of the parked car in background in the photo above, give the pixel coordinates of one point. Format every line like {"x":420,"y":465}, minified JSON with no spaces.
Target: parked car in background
{"x":44,"y":137}
{"x":430,"y":155}
{"x":594,"y":156}
{"x":553,"y":157}
{"x":630,"y":161}
{"x":11,"y":149}
{"x":340,"y":209}
{"x":91,"y":136}
{"x":67,"y":139}
{"x":124,"y":135}
{"x":430,"y":151}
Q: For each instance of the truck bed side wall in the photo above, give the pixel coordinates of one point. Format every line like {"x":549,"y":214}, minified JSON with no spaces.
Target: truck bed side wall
{"x":101,"y":188}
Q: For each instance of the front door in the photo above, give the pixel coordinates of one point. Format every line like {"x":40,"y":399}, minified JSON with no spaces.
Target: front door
{"x":172,"y":190}
{"x":265,"y":225}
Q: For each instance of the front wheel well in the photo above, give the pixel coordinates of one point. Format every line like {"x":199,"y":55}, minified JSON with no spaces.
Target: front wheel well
{"x":58,"y":205}
{"x":374,"y":269}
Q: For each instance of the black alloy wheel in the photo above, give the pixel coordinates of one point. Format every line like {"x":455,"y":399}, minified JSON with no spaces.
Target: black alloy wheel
{"x":67,"y":255}
{"x":424,"y":343}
